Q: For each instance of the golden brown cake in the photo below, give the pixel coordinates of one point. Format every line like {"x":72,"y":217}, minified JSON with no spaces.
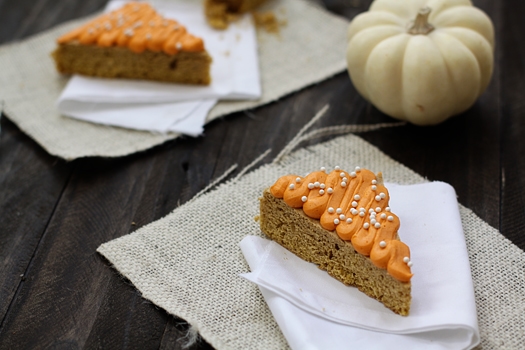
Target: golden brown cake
{"x":220,"y":13}
{"x":341,"y":221}
{"x":134,"y":42}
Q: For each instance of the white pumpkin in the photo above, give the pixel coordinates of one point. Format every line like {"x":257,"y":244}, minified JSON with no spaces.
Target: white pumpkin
{"x":421,"y":60}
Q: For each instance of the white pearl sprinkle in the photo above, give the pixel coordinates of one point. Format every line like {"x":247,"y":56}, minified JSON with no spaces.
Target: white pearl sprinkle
{"x":342,"y":174}
{"x":373,"y":221}
{"x":323,"y":168}
{"x":382,"y":244}
{"x":390,"y":218}
{"x":377,"y":225}
{"x":311,"y":186}
{"x":304,"y":198}
{"x":353,"y":174}
{"x":354,"y":204}
{"x":383,"y":216}
{"x":406,"y":259}
{"x":366,"y":225}
{"x":342,"y":216}
{"x":378,"y":209}
{"x":357,"y":197}
{"x":137,"y":24}
{"x":129,"y":32}
{"x":321,"y":192}
{"x":90,"y":31}
{"x":345,"y":179}
{"x":148,"y":36}
{"x":336,"y":221}
{"x":387,"y":208}
{"x":374,"y":188}
{"x":409,"y":264}
{"x":292,"y":186}
{"x":331,"y":210}
{"x":362,"y":209}
{"x":178,"y":46}
{"x":354,"y":211}
{"x":330,"y":190}
{"x":371,"y":210}
{"x":349,"y":221}
{"x":374,"y":182}
{"x":343,"y":184}
{"x":317,"y":184}
{"x":378,"y":198}
{"x":339,"y":210}
{"x":337,"y":168}
{"x":108,"y":26}
{"x":382,"y":195}
{"x":322,"y":186}
{"x":362,"y":214}
{"x":298,"y":179}
{"x":357,"y":169}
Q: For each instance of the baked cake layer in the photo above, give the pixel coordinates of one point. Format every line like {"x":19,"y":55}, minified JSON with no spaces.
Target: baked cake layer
{"x":120,"y":62}
{"x":220,"y":12}
{"x":305,"y":237}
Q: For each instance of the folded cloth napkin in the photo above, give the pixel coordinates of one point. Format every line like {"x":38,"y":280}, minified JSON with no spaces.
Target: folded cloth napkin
{"x":164,"y":107}
{"x":315,"y":311}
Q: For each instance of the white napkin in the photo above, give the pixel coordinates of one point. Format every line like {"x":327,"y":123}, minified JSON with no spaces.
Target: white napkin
{"x":163,"y":107}
{"x":315,"y":311}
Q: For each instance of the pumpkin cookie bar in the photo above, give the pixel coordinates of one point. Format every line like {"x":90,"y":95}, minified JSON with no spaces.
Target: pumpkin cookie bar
{"x":341,"y":221}
{"x":134,"y":42}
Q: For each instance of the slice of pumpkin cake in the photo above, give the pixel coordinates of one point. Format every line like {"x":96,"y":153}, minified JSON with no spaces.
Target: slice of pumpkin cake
{"x":134,"y":42}
{"x":342,"y":222}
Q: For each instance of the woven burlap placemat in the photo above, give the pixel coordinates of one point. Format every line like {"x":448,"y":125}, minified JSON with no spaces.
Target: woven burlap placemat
{"x":309,"y":48}
{"x":189,"y":262}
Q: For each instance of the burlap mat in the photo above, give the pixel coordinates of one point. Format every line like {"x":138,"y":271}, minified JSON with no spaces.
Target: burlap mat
{"x":308,"y":49}
{"x":189,"y":262}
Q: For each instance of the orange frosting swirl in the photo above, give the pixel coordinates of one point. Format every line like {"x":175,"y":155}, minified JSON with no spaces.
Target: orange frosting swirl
{"x":355,"y":205}
{"x":137,"y":26}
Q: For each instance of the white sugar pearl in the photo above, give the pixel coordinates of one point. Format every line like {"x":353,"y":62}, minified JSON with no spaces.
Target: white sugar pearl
{"x":354,"y":204}
{"x":373,"y":221}
{"x":362,"y":209}
{"x":349,"y":221}
{"x":377,"y":225}
{"x":378,"y":209}
{"x":304,"y":198}
{"x":357,"y":197}
{"x":366,"y":225}
{"x":337,"y":167}
{"x":345,"y":179}
{"x":374,"y":188}
{"x":342,"y":216}
{"x":357,"y":169}
{"x":311,"y":186}
{"x":371,"y":211}
{"x":354,"y":211}
{"x":390,"y":218}
{"x":342,"y":174}
{"x":336,"y":221}
{"x":292,"y":186}
{"x":383,"y":216}
{"x":374,"y":182}
{"x":353,"y":174}
{"x":339,"y":210}
{"x":331,"y":210}
{"x":409,"y":264}
{"x":321,"y":192}
{"x":317,"y":184}
{"x":330,"y":190}
{"x":378,"y":198}
{"x":382,"y":244}
{"x":323,"y":168}
{"x":322,"y":186}
{"x":361,"y":214}
{"x":343,"y":184}
{"x":406,"y":259}
{"x":298,"y":179}
{"x":382,"y":195}
{"x":387,"y":208}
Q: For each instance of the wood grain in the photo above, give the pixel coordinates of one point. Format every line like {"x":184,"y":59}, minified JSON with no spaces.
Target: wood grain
{"x":56,"y":292}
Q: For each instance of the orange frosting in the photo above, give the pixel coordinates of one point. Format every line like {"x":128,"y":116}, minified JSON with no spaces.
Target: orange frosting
{"x":355,"y":205}
{"x":137,"y":26}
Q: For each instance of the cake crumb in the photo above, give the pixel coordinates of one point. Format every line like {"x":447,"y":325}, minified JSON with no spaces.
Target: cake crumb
{"x":267,"y":21}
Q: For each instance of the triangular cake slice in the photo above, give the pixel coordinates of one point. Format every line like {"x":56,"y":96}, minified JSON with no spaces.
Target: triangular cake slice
{"x":342,"y":222}
{"x":134,"y":42}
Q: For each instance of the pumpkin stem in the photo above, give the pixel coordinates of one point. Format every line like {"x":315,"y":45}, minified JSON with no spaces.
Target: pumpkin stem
{"x":420,"y":24}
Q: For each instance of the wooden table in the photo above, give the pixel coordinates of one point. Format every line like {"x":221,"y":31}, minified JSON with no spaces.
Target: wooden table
{"x":57,"y":292}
